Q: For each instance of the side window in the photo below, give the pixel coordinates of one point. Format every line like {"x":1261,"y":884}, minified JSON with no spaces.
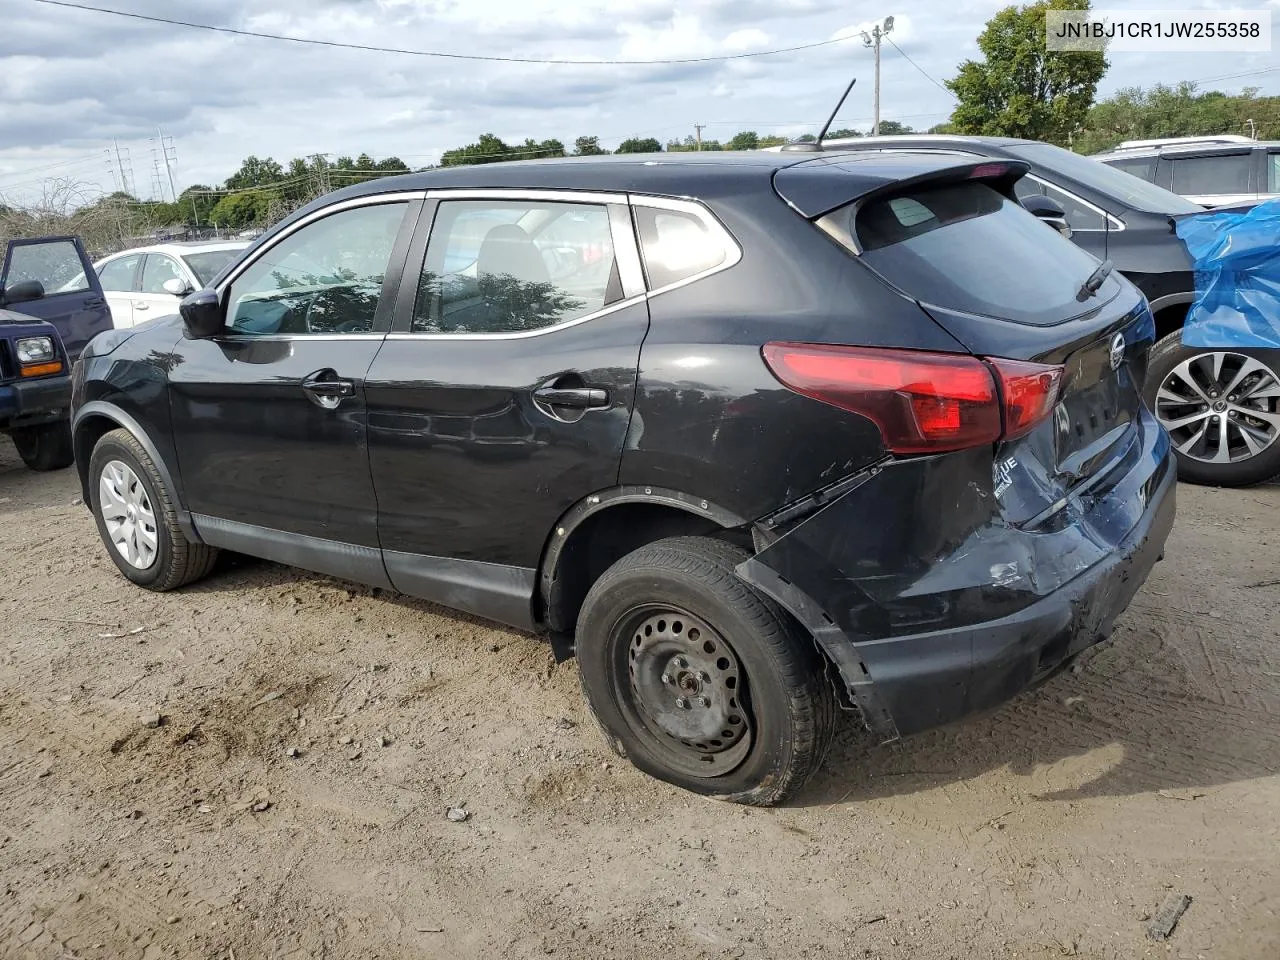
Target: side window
{"x":324,"y":278}
{"x":55,"y":264}
{"x":677,"y":245}
{"x":1142,"y":167}
{"x":117,"y":276}
{"x":1210,"y":176}
{"x":1079,"y":215}
{"x":157,"y":271}
{"x":1273,"y":171}
{"x":508,"y":266}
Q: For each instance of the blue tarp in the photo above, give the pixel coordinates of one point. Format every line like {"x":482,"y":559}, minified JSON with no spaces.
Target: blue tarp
{"x":1237,"y":264}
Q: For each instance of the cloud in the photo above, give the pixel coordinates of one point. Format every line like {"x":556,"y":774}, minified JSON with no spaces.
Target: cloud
{"x":74,"y":82}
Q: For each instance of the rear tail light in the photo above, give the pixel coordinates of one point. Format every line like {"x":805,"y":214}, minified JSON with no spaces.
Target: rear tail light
{"x":1030,"y":391}
{"x":922,"y":402}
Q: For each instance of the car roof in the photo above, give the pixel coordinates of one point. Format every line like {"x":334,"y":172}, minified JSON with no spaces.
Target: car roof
{"x":180,"y":247}
{"x":705,"y":174}
{"x":1190,"y":148}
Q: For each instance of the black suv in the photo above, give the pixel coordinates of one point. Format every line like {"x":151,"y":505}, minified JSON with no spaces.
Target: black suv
{"x":1222,"y":407}
{"x":759,"y":435}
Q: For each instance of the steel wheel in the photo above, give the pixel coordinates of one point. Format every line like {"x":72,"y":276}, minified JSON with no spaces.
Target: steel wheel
{"x":686,"y":688}
{"x":128,"y":515}
{"x":1220,"y":407}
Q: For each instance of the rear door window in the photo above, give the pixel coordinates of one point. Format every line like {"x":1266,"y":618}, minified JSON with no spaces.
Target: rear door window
{"x":513,"y":266}
{"x":1211,"y":176}
{"x":1142,"y":167}
{"x":967,"y":247}
{"x":1273,"y":171}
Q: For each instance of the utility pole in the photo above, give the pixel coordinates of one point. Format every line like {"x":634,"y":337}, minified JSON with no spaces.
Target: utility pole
{"x":872,"y":40}
{"x":126,"y":181}
{"x":698,"y":127}
{"x":1253,"y":130}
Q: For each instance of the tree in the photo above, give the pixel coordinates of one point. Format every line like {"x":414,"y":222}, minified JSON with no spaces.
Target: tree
{"x":237,"y":210}
{"x":488,"y":149}
{"x":772,"y":141}
{"x":745,"y":140}
{"x":640,"y":145}
{"x":255,"y":173}
{"x":844,"y":133}
{"x":689,"y":144}
{"x":891,"y":128}
{"x":1181,"y":111}
{"x":588,"y":147}
{"x":1020,"y":89}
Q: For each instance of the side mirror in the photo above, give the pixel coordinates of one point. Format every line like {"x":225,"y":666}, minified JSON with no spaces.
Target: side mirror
{"x":179,"y":288}
{"x":1048,"y":210}
{"x":202,"y":314}
{"x":22,"y":292}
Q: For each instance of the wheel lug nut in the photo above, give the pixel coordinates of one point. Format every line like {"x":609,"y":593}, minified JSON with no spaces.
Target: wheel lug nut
{"x":1233,"y":414}
{"x":682,"y":703}
{"x":703,"y":702}
{"x":681,"y":662}
{"x":666,"y":678}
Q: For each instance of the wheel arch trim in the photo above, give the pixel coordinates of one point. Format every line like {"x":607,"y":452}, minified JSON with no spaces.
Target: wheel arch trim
{"x":122,"y":419}
{"x":602,"y":500}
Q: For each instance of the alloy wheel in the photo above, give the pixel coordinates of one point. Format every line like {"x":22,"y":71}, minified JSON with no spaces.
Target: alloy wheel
{"x":1220,"y":407}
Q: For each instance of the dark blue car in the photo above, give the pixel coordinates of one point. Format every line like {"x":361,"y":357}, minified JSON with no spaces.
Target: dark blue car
{"x":51,"y":305}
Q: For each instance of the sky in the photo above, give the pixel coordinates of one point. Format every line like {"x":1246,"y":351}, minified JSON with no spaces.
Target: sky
{"x":75,"y":83}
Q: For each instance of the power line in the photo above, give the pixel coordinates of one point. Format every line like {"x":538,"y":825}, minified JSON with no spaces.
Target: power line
{"x":435,"y":53}
{"x":1233,"y":76}
{"x":920,"y":69}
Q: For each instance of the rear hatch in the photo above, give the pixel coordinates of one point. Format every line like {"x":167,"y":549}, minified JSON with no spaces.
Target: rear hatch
{"x":1005,"y":285}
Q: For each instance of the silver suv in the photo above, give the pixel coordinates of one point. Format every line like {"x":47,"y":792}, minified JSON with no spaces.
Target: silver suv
{"x":1211,"y":171}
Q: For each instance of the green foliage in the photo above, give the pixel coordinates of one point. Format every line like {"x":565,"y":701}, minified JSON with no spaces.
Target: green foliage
{"x":491,"y":149}
{"x":845,"y":133}
{"x":772,"y":141}
{"x":689,"y":144}
{"x":1181,"y":111}
{"x":238,"y":210}
{"x":892,"y":128}
{"x":254,"y":172}
{"x":640,"y":145}
{"x":1020,"y":89}
{"x":746,"y":140}
{"x":588,"y":147}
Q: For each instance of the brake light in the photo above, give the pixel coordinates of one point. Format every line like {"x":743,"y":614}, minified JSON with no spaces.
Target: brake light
{"x":922,"y":402}
{"x":986,"y":170}
{"x":1030,"y":391}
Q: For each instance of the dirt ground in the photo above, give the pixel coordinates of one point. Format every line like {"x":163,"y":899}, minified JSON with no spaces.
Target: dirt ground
{"x":1051,"y":828}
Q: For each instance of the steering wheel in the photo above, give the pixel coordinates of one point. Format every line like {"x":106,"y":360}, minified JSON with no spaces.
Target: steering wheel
{"x":317,"y":308}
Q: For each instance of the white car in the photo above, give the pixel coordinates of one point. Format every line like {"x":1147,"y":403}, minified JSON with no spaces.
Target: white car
{"x":149,"y":281}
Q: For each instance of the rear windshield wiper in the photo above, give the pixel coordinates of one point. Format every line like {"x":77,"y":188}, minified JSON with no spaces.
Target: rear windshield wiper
{"x":1095,"y":281}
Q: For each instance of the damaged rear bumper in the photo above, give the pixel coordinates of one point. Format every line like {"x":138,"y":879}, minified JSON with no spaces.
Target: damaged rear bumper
{"x":1003,"y":607}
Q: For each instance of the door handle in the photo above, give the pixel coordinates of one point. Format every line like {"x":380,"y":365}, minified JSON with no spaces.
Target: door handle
{"x":582,"y":398}
{"x":138,"y":305}
{"x":327,"y":389}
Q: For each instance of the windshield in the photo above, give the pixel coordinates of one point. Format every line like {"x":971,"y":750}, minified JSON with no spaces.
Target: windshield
{"x":209,"y":264}
{"x":1134,"y":193}
{"x":963,"y":246}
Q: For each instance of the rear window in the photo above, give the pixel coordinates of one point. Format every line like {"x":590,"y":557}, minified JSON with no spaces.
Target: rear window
{"x":966,"y":247}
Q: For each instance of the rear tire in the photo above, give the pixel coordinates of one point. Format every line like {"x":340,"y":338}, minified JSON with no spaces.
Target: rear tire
{"x":159,"y":557}
{"x":46,"y":447}
{"x":698,"y":679}
{"x":1180,"y":390}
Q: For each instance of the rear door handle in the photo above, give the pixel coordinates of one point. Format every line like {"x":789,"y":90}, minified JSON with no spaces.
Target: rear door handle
{"x":583,"y":398}
{"x":141,"y":305}
{"x":327,"y":389}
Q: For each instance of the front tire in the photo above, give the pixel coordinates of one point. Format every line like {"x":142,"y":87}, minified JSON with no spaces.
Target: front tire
{"x":46,"y":447}
{"x":698,"y":679}
{"x":137,"y":520}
